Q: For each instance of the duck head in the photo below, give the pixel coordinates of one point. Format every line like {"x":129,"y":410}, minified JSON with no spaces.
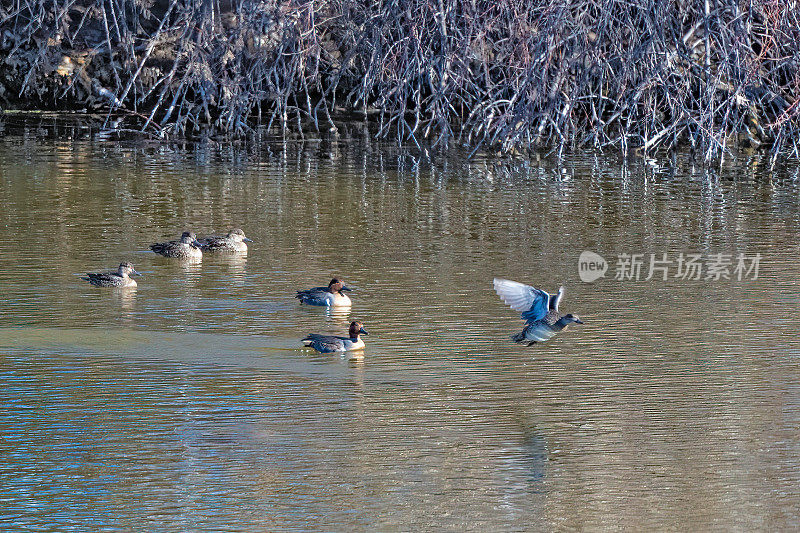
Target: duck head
{"x":337,"y":285}
{"x":356,"y":329}
{"x":189,"y":237}
{"x":126,"y":269}
{"x":570,"y":318}
{"x":238,"y":235}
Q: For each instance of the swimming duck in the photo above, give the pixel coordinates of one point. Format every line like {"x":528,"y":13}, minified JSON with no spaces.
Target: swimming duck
{"x":330,"y":295}
{"x":186,"y":248}
{"x":330,"y":343}
{"x":234,"y":241}
{"x":120,"y":278}
{"x":538,"y":308}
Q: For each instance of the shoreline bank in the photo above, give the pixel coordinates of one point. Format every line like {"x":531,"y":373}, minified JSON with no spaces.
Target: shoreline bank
{"x":501,"y":76}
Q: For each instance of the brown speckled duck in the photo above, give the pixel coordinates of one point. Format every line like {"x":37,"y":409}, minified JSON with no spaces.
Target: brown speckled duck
{"x":120,"y":278}
{"x":186,"y":248}
{"x":233,"y":242}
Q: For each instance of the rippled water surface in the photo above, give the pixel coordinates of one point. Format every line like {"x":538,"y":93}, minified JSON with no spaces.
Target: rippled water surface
{"x":187,"y":404}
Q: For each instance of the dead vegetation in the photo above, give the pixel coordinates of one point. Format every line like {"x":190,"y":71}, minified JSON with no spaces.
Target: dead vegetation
{"x":506,"y":74}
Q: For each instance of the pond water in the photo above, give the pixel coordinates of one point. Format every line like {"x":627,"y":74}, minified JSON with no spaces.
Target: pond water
{"x":187,"y":404}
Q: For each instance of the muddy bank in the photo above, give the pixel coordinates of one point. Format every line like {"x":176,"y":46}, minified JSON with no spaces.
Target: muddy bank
{"x":645,"y":74}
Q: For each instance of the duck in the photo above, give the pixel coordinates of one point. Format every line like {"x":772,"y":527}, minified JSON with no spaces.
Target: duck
{"x":187,"y":247}
{"x":330,"y":296}
{"x":234,"y":241}
{"x":330,"y":343}
{"x":120,"y":278}
{"x":538,"y":308}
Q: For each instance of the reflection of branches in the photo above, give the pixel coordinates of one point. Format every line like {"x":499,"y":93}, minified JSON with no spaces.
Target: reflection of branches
{"x":508,"y":74}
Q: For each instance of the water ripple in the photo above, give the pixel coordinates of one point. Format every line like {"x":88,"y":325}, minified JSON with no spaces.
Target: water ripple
{"x":188,"y":404}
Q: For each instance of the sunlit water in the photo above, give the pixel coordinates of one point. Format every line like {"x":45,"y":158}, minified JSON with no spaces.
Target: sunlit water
{"x":187,"y":404}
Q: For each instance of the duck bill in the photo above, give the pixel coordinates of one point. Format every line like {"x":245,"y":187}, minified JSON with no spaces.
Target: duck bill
{"x":197,"y":244}
{"x":135,"y":273}
{"x":579,"y":321}
{"x":363,"y":331}
{"x":345,"y":289}
{"x":247,"y":240}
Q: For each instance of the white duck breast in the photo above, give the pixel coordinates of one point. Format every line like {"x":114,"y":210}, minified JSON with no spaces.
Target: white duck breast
{"x":339,"y":300}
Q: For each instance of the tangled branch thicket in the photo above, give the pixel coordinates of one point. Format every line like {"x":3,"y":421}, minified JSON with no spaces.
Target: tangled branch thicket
{"x":512,"y":74}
